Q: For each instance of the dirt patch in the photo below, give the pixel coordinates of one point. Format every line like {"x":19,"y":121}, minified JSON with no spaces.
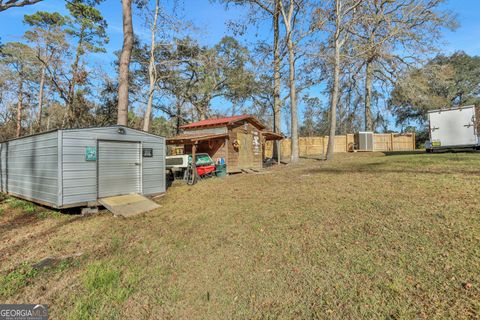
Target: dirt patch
{"x":19,"y":220}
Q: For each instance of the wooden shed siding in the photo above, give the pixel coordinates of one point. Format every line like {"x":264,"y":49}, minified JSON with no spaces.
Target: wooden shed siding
{"x":215,"y":148}
{"x":213,"y":130}
{"x":233,"y":164}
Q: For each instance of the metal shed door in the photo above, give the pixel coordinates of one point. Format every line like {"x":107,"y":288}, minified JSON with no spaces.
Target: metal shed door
{"x":118,"y":168}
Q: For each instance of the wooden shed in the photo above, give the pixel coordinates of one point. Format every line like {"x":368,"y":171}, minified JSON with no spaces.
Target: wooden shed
{"x":240,"y":140}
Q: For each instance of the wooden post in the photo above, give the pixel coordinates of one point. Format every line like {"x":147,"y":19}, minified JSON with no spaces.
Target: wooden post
{"x":414,"y":141}
{"x":391,"y":142}
{"x":323,"y":148}
{"x":279,"y":151}
{"x":226,"y":153}
{"x":194,"y":151}
{"x":192,"y":177}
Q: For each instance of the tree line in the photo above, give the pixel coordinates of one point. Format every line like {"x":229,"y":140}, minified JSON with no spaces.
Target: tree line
{"x":367,"y":58}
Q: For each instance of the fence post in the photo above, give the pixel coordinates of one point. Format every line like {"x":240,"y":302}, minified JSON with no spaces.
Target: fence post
{"x":323,"y":145}
{"x":414,"y":141}
{"x":323,"y":148}
{"x":391,"y":142}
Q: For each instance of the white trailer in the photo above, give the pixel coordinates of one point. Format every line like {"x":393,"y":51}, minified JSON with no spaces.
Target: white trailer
{"x":454,"y":129}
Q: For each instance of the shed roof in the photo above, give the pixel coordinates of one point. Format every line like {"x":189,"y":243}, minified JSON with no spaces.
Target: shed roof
{"x":224,"y":121}
{"x":192,"y":138}
{"x":85,"y":128}
{"x":272,"y":135}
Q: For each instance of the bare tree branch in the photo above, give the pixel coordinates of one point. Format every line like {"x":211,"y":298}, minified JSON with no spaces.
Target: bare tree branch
{"x":4,"y":5}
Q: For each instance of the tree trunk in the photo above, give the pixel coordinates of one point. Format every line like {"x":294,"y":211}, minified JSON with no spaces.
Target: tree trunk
{"x":152,"y":72}
{"x":288,"y":20}
{"x":276,"y":69}
{"x":335,"y":85}
{"x":333,"y":104}
{"x":368,"y":97}
{"x":203,"y":106}
{"x":19,"y":109}
{"x":32,"y":123}
{"x":70,"y":113}
{"x":202,"y":115}
{"x":178,"y":116}
{"x":277,"y":116}
{"x":125,"y":63}
{"x":293,"y":100}
{"x":40,"y":99}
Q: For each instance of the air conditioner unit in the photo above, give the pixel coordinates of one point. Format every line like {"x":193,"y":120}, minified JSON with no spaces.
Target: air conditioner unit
{"x":364,"y":141}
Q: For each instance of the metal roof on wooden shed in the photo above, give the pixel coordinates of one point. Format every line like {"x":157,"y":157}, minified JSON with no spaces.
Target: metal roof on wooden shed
{"x":223,"y":122}
{"x":192,"y":138}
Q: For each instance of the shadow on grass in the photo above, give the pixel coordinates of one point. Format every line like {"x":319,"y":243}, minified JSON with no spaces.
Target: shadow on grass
{"x":33,"y":238}
{"x":404,"y":153}
{"x":19,"y":221}
{"x":417,"y":152}
{"x":26,"y":218}
{"x":381,"y":168}
{"x":317,"y":158}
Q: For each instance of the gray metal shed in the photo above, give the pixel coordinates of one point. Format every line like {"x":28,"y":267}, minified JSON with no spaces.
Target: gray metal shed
{"x":76,"y":167}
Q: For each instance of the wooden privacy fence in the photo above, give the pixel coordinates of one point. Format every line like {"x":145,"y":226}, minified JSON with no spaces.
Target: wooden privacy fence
{"x":394,"y":142}
{"x":314,"y":146}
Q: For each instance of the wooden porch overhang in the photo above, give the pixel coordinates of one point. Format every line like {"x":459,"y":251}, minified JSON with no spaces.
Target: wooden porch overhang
{"x":272,"y":135}
{"x":194,"y":138}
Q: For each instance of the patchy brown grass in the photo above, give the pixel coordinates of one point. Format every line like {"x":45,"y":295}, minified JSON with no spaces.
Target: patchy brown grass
{"x":367,"y":236}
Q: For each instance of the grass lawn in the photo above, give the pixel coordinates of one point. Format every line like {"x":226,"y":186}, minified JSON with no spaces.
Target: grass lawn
{"x":367,"y":236}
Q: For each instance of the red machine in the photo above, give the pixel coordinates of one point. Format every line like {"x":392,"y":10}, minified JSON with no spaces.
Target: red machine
{"x":204,"y":164}
{"x":205,"y":170}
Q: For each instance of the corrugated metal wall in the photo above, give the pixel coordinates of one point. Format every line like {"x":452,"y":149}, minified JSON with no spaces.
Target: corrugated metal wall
{"x":153,"y":173}
{"x":80,"y":176}
{"x":29,"y":167}
{"x":52,"y":168}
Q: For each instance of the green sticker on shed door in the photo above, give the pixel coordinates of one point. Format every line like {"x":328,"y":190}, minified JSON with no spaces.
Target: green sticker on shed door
{"x":91,"y":153}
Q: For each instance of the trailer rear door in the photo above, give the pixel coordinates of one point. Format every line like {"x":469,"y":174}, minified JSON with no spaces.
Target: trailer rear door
{"x":450,"y":128}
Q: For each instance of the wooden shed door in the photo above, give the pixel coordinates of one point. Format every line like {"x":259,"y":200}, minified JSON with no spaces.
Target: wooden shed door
{"x":245,"y":152}
{"x":119,"y":168}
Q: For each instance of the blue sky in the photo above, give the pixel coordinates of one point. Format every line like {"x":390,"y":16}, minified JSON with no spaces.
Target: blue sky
{"x":210,"y":18}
